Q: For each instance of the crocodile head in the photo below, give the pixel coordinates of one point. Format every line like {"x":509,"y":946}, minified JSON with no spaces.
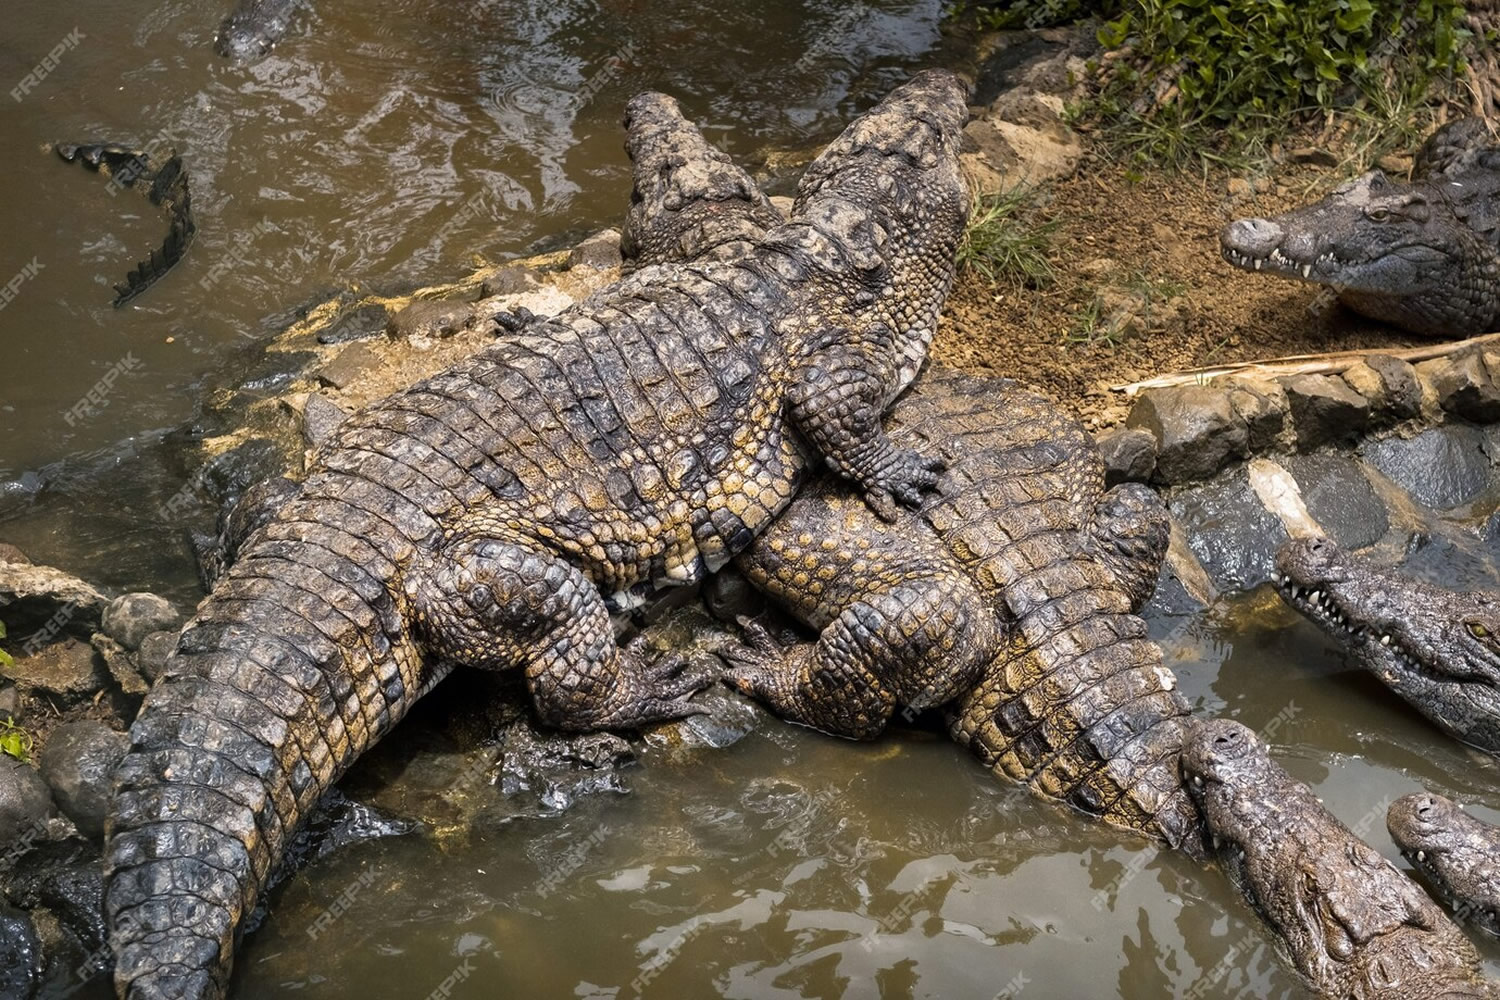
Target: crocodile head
{"x":1344,"y":917}
{"x":1437,"y":648}
{"x":1455,"y":852}
{"x":1393,"y":251}
{"x":881,"y":212}
{"x":252,"y":29}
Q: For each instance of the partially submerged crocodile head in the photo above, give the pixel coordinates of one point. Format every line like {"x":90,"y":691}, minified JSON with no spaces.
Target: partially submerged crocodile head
{"x":1437,"y":648}
{"x":1343,"y":916}
{"x":1396,"y":252}
{"x":1456,"y":853}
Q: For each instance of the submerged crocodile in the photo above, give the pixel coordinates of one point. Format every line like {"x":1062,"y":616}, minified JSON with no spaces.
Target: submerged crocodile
{"x":640,"y":438}
{"x":1009,"y":595}
{"x":1458,"y":855}
{"x":253,"y":28}
{"x":1437,"y":648}
{"x":1424,"y":256}
{"x":166,"y":186}
{"x":1350,"y":924}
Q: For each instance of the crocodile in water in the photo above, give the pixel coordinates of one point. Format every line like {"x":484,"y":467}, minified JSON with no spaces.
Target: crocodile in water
{"x":1458,"y":855}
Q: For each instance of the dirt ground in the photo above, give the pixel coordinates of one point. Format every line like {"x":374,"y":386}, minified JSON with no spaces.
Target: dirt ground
{"x":1141,"y":290}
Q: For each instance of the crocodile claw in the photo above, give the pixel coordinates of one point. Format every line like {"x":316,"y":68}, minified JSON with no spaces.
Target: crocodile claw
{"x":516,"y":319}
{"x":903,"y":484}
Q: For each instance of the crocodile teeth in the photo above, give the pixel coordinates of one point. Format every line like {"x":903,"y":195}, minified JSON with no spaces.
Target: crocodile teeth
{"x":1306,"y":270}
{"x":1316,"y":597}
{"x":1197,"y":781}
{"x":1217,"y":842}
{"x":1385,"y":640}
{"x":1421,"y":855}
{"x":1258,"y":263}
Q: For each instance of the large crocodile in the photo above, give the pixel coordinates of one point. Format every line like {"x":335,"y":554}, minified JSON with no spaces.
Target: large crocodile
{"x":1437,"y":648}
{"x":166,"y":186}
{"x":1010,"y":594}
{"x":1458,"y":855}
{"x":1423,"y":255}
{"x":1350,"y":924}
{"x":638,"y":439}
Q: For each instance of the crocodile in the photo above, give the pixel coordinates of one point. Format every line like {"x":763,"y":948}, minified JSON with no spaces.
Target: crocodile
{"x":1422,"y":255}
{"x":253,"y":28}
{"x":1009,"y":597}
{"x":1437,"y":648}
{"x":1454,"y":852}
{"x":1344,"y":918}
{"x":166,"y":186}
{"x":480,"y":518}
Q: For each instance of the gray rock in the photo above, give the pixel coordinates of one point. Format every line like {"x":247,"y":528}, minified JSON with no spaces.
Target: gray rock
{"x":342,"y":371}
{"x":1196,"y":428}
{"x":121,"y":664}
{"x":1463,"y":386}
{"x":25,"y":804}
{"x":1129,"y":455}
{"x":600,"y":251}
{"x":1441,"y":468}
{"x":320,"y":418}
{"x":132,"y":617}
{"x":558,"y":768}
{"x":731,"y":717}
{"x":729,"y":596}
{"x":508,"y":281}
{"x":20,"y":954}
{"x":1324,"y":409}
{"x":10,"y":704}
{"x":78,"y":764}
{"x":1229,"y":530}
{"x":1339,"y":496}
{"x":151,"y":658}
{"x":1263,"y":407}
{"x":69,"y":668}
{"x":357,"y":324}
{"x":46,"y":600}
{"x":431,"y":318}
{"x":1390,"y":385}
{"x":9,"y":553}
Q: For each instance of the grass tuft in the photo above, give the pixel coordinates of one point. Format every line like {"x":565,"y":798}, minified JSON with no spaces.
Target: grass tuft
{"x":1007,"y":243}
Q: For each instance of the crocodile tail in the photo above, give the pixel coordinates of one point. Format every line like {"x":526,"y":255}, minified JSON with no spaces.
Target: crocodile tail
{"x":293,"y":667}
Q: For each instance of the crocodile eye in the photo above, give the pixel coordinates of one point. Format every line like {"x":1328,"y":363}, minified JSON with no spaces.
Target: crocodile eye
{"x":1379,"y":214}
{"x":1477,"y":630}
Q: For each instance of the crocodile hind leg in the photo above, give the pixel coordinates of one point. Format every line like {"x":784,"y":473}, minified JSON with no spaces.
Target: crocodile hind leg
{"x":1128,"y":533}
{"x":496,"y":604}
{"x":918,"y":644}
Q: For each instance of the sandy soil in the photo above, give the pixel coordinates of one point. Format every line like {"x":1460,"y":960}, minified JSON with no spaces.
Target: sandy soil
{"x":1141,"y":290}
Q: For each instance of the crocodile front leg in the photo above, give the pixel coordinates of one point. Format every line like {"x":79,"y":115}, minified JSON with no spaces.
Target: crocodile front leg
{"x":495,"y":604}
{"x":837,"y":402}
{"x":1128,"y":532}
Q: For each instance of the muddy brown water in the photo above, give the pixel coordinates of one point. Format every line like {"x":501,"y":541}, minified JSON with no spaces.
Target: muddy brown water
{"x":385,"y":143}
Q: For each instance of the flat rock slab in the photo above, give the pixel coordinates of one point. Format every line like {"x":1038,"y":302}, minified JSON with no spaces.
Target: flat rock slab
{"x":1339,"y":497}
{"x":69,"y":668}
{"x":40,"y":598}
{"x":1324,"y":409}
{"x":1463,"y":386}
{"x":1441,"y":468}
{"x":1230,"y":530}
{"x":352,"y":362}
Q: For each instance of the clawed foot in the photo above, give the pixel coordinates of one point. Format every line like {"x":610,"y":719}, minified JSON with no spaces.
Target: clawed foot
{"x":669,"y":682}
{"x":516,"y":319}
{"x":903,"y":482}
{"x":750,"y":665}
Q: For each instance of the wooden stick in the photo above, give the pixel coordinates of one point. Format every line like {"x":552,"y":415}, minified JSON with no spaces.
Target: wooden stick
{"x":1302,"y":364}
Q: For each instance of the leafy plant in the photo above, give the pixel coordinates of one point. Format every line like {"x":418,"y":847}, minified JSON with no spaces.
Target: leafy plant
{"x":1006,"y":242}
{"x":5,"y":659}
{"x":16,"y":741}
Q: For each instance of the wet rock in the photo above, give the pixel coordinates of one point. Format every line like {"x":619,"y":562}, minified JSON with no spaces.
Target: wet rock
{"x":64,"y":880}
{"x":336,"y":822}
{"x":600,"y":251}
{"x":121,"y":664}
{"x":20,"y":954}
{"x":1229,"y":530}
{"x":1324,"y":409}
{"x":729,"y":596}
{"x":151,"y":659}
{"x":1129,"y":455}
{"x":508,"y":281}
{"x":47,"y":600}
{"x":10,"y":704}
{"x":1263,"y":408}
{"x":357,"y":324}
{"x":131,"y":617}
{"x":9,"y":553}
{"x":430,"y":318}
{"x":730,"y":718}
{"x":78,"y":764}
{"x":69,"y":668}
{"x":1441,"y":468}
{"x":352,"y":362}
{"x":1463,"y":386}
{"x":320,"y":418}
{"x":1340,"y":498}
{"x":558,"y":768}
{"x":249,"y":463}
{"x":1390,"y":385}
{"x":25,"y":803}
{"x":1196,"y":429}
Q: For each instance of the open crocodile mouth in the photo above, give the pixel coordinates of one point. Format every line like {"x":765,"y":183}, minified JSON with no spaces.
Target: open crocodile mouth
{"x":1277,"y":262}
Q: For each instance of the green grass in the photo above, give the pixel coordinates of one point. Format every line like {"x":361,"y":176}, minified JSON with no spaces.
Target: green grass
{"x":1007,"y":243}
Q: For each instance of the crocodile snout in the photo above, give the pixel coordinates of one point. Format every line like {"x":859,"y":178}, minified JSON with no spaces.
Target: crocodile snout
{"x":1252,"y":237}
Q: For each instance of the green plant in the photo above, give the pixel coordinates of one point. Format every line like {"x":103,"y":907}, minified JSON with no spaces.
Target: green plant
{"x":5,"y":659}
{"x":1006,"y":242}
{"x":15,"y":741}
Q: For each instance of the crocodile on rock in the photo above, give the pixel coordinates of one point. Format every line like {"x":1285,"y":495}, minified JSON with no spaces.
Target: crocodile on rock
{"x":1350,"y":924}
{"x":1437,"y":648}
{"x":641,"y":438}
{"x":1424,"y":255}
{"x":1458,"y":855}
{"x":1010,"y":595}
